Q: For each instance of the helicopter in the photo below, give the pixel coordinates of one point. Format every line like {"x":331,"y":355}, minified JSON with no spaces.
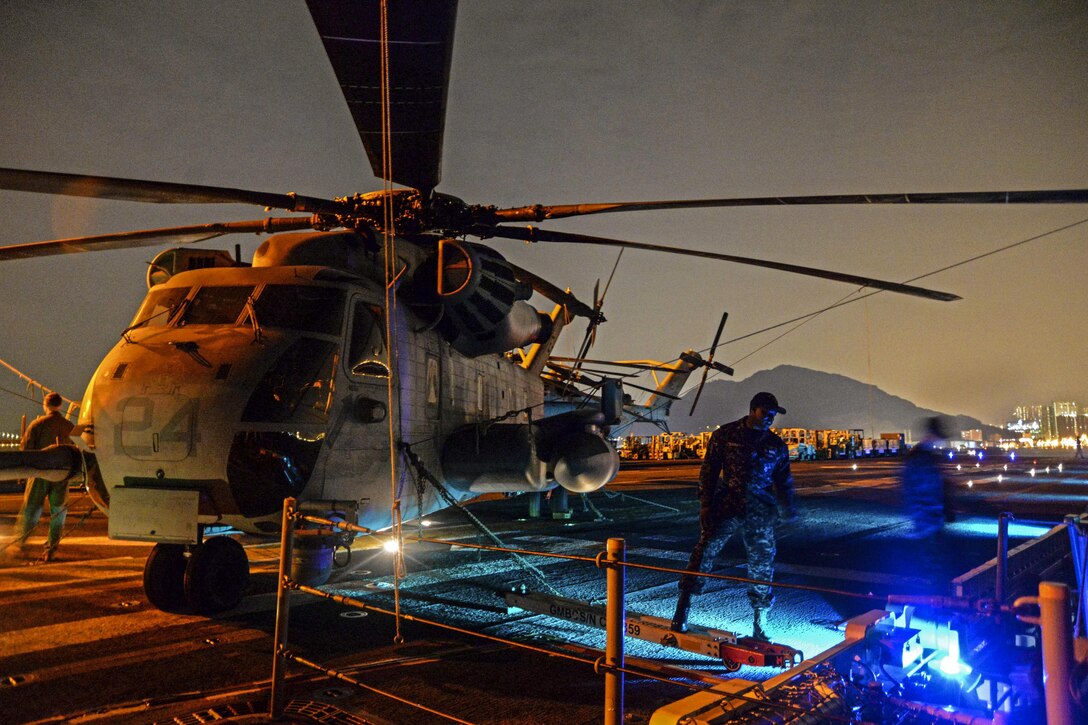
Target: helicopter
{"x":369,"y":360}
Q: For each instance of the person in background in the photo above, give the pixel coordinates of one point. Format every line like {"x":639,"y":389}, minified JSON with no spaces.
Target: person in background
{"x":925,"y":491}
{"x":745,"y":485}
{"x":46,"y":430}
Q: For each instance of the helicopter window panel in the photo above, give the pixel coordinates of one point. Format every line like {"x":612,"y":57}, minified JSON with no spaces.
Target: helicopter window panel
{"x":365,"y":356}
{"x":158,"y":307}
{"x":298,"y":388}
{"x":265,"y":467}
{"x":298,"y":307}
{"x":216,"y":305}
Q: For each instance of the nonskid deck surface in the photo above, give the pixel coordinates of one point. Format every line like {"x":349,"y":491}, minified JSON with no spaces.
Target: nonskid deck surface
{"x":79,"y":640}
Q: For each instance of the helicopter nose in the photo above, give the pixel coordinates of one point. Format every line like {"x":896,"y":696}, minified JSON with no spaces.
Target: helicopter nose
{"x":245,"y":431}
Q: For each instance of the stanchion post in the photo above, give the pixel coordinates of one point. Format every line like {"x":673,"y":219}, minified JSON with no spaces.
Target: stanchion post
{"x":277,"y":700}
{"x":1057,"y":652}
{"x":1001,"y":574}
{"x":615,"y":624}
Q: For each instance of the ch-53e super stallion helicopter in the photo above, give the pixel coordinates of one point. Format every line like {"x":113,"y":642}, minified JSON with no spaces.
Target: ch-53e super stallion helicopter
{"x":369,"y":360}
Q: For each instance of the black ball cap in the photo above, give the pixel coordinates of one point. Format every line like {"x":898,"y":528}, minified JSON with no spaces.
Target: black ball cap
{"x":767,"y":401}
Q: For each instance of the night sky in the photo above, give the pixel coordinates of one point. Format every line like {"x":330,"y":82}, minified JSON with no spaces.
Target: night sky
{"x":565,"y":102}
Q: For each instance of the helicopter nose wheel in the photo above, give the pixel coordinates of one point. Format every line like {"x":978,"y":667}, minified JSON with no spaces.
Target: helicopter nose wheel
{"x":212,"y":578}
{"x":164,"y":577}
{"x":216,"y":576}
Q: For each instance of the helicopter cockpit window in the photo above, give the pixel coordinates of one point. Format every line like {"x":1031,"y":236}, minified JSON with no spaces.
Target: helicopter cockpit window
{"x":159,"y":307}
{"x":366,"y":356}
{"x":216,"y":305}
{"x":298,"y":307}
{"x":298,"y":388}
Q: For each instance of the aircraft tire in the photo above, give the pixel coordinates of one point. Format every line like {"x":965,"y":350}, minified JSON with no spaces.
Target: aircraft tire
{"x":164,"y":577}
{"x":217,"y":575}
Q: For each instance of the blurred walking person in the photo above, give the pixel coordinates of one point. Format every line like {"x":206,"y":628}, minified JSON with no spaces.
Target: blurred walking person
{"x":925,"y":490}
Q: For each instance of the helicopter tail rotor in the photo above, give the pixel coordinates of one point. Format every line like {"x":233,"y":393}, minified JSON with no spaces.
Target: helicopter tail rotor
{"x":711,"y":364}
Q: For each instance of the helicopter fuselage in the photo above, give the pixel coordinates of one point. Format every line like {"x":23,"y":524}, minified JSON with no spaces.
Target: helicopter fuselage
{"x":237,"y":386}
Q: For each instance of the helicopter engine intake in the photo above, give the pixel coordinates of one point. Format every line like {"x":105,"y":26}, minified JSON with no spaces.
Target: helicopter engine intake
{"x":475,"y":299}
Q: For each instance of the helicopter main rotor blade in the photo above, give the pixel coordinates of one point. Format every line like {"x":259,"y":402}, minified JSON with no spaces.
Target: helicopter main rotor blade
{"x":152,"y":237}
{"x":532,"y":234}
{"x":156,"y":192}
{"x":420,"y":47}
{"x":541,"y":212}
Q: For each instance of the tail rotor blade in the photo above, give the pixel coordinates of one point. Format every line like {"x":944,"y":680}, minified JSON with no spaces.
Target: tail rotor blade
{"x":710,"y":363}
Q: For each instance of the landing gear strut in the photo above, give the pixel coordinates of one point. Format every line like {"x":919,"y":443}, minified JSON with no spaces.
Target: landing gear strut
{"x":210,"y":577}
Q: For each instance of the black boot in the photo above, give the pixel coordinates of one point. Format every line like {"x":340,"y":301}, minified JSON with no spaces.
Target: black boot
{"x":759,"y":625}
{"x":680,"y":618}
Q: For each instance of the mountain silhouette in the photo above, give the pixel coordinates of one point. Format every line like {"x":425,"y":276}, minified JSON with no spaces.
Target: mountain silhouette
{"x":815,"y":400}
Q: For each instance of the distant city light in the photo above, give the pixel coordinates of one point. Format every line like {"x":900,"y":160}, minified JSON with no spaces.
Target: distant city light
{"x":1032,"y":473}
{"x":1000,"y":478}
{"x":959,"y":467}
{"x":854,"y":467}
{"x":1005,"y":467}
{"x":1060,"y":468}
{"x":970,"y":484}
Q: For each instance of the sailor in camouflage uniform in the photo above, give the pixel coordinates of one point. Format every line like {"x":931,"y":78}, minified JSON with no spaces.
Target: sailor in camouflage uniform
{"x":744,"y":485}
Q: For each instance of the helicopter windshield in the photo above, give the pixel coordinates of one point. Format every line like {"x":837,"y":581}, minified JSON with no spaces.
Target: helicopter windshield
{"x":158,"y":307}
{"x":216,"y":305}
{"x":297,"y":307}
{"x":298,"y":388}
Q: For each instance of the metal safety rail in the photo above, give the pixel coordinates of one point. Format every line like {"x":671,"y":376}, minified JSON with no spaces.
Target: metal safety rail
{"x":611,"y":666}
{"x":1057,"y":644}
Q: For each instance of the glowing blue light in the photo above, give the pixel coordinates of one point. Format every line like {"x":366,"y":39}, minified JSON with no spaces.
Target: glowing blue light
{"x":1012,"y":455}
{"x":988,"y":529}
{"x":951,"y":455}
{"x":953,"y":667}
{"x":981,"y":455}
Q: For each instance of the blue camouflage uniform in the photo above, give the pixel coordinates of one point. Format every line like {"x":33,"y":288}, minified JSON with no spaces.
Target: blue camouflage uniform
{"x":744,"y":484}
